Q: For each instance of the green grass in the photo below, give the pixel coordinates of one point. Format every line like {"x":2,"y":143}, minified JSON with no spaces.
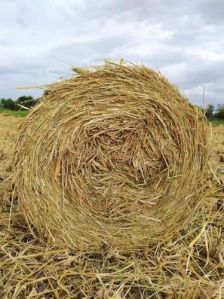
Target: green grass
{"x":216,"y":121}
{"x":19,"y":113}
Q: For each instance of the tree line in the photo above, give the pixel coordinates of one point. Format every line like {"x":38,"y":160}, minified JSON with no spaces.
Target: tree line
{"x":213,"y":112}
{"x":20,"y":104}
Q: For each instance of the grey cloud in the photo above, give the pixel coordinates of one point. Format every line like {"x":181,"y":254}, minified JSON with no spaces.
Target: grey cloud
{"x":42,"y":40}
{"x":4,"y":43}
{"x":140,"y":10}
{"x":199,"y":74}
{"x":9,"y":70}
{"x":54,"y":64}
{"x":84,"y":52}
{"x":210,"y":11}
{"x":21,"y":22}
{"x":166,"y":56}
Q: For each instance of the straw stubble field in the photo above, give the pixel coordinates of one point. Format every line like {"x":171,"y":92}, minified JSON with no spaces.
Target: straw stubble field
{"x":191,"y":266}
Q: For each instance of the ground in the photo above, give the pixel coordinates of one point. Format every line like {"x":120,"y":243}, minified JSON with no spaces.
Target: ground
{"x":217,"y":150}
{"x":8,"y":127}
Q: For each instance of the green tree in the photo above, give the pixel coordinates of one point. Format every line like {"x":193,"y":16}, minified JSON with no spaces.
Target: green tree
{"x":220,"y":112}
{"x":2,"y":103}
{"x":8,"y":104}
{"x":210,"y":111}
{"x":26,"y":101}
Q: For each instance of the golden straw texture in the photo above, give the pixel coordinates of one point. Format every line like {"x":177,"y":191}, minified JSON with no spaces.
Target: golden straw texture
{"x":114,"y":156}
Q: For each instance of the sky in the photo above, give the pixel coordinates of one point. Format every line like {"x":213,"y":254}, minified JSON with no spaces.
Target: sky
{"x":40,"y":41}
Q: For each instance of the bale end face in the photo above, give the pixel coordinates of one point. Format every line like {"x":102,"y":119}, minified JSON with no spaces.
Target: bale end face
{"x":113,"y":156}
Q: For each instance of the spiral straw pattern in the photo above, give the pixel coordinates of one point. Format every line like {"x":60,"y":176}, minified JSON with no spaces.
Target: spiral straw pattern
{"x":113,"y":156}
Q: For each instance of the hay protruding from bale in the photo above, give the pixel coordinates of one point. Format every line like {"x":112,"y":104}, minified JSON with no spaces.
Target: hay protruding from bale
{"x":114,"y":156}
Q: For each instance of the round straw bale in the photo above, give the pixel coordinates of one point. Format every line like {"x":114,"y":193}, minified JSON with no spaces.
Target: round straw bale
{"x":113,"y":156}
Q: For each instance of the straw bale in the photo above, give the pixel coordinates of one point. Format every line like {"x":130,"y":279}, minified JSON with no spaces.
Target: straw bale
{"x":113,"y":157}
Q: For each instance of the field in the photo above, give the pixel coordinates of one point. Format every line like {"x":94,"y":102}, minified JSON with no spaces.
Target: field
{"x":31,"y":272}
{"x":8,"y":126}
